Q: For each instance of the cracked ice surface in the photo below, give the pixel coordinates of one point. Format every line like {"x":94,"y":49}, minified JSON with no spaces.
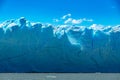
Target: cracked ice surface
{"x":36,"y":47}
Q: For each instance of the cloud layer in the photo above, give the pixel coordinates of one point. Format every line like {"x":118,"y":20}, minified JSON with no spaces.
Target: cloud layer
{"x":67,"y":19}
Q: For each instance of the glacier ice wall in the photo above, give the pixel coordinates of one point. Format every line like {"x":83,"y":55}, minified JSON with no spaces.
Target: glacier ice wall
{"x":36,"y":47}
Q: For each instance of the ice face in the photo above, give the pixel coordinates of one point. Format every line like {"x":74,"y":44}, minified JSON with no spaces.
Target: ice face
{"x":36,"y":47}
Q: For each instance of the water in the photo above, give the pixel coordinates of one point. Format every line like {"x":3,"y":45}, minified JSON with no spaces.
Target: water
{"x":59,"y":76}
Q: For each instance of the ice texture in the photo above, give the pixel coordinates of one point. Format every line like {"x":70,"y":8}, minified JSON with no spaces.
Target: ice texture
{"x":35,"y":47}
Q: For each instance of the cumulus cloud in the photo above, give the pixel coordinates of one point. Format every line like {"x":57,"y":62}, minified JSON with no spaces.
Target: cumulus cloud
{"x":67,"y":19}
{"x":73,"y":21}
{"x":65,"y":16}
{"x":76,"y":21}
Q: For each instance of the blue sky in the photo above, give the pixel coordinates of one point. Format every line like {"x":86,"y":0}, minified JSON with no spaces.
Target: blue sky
{"x":105,"y":12}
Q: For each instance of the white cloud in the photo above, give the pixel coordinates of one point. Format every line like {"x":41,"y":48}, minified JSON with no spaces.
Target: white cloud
{"x":74,"y":21}
{"x":69,"y":20}
{"x":67,"y":15}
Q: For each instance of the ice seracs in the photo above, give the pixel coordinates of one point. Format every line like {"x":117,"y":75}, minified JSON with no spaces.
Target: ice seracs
{"x":35,"y":47}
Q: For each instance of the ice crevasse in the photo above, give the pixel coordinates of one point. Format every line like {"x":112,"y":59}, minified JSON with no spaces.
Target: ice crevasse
{"x":36,"y":47}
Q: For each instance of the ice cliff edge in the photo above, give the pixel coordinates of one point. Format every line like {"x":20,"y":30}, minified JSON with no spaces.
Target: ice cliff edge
{"x":37,"y":47}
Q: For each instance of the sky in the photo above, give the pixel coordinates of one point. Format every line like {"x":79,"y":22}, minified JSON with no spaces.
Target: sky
{"x":83,"y":12}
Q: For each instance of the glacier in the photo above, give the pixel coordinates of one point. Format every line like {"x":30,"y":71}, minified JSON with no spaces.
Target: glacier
{"x":35,"y":47}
